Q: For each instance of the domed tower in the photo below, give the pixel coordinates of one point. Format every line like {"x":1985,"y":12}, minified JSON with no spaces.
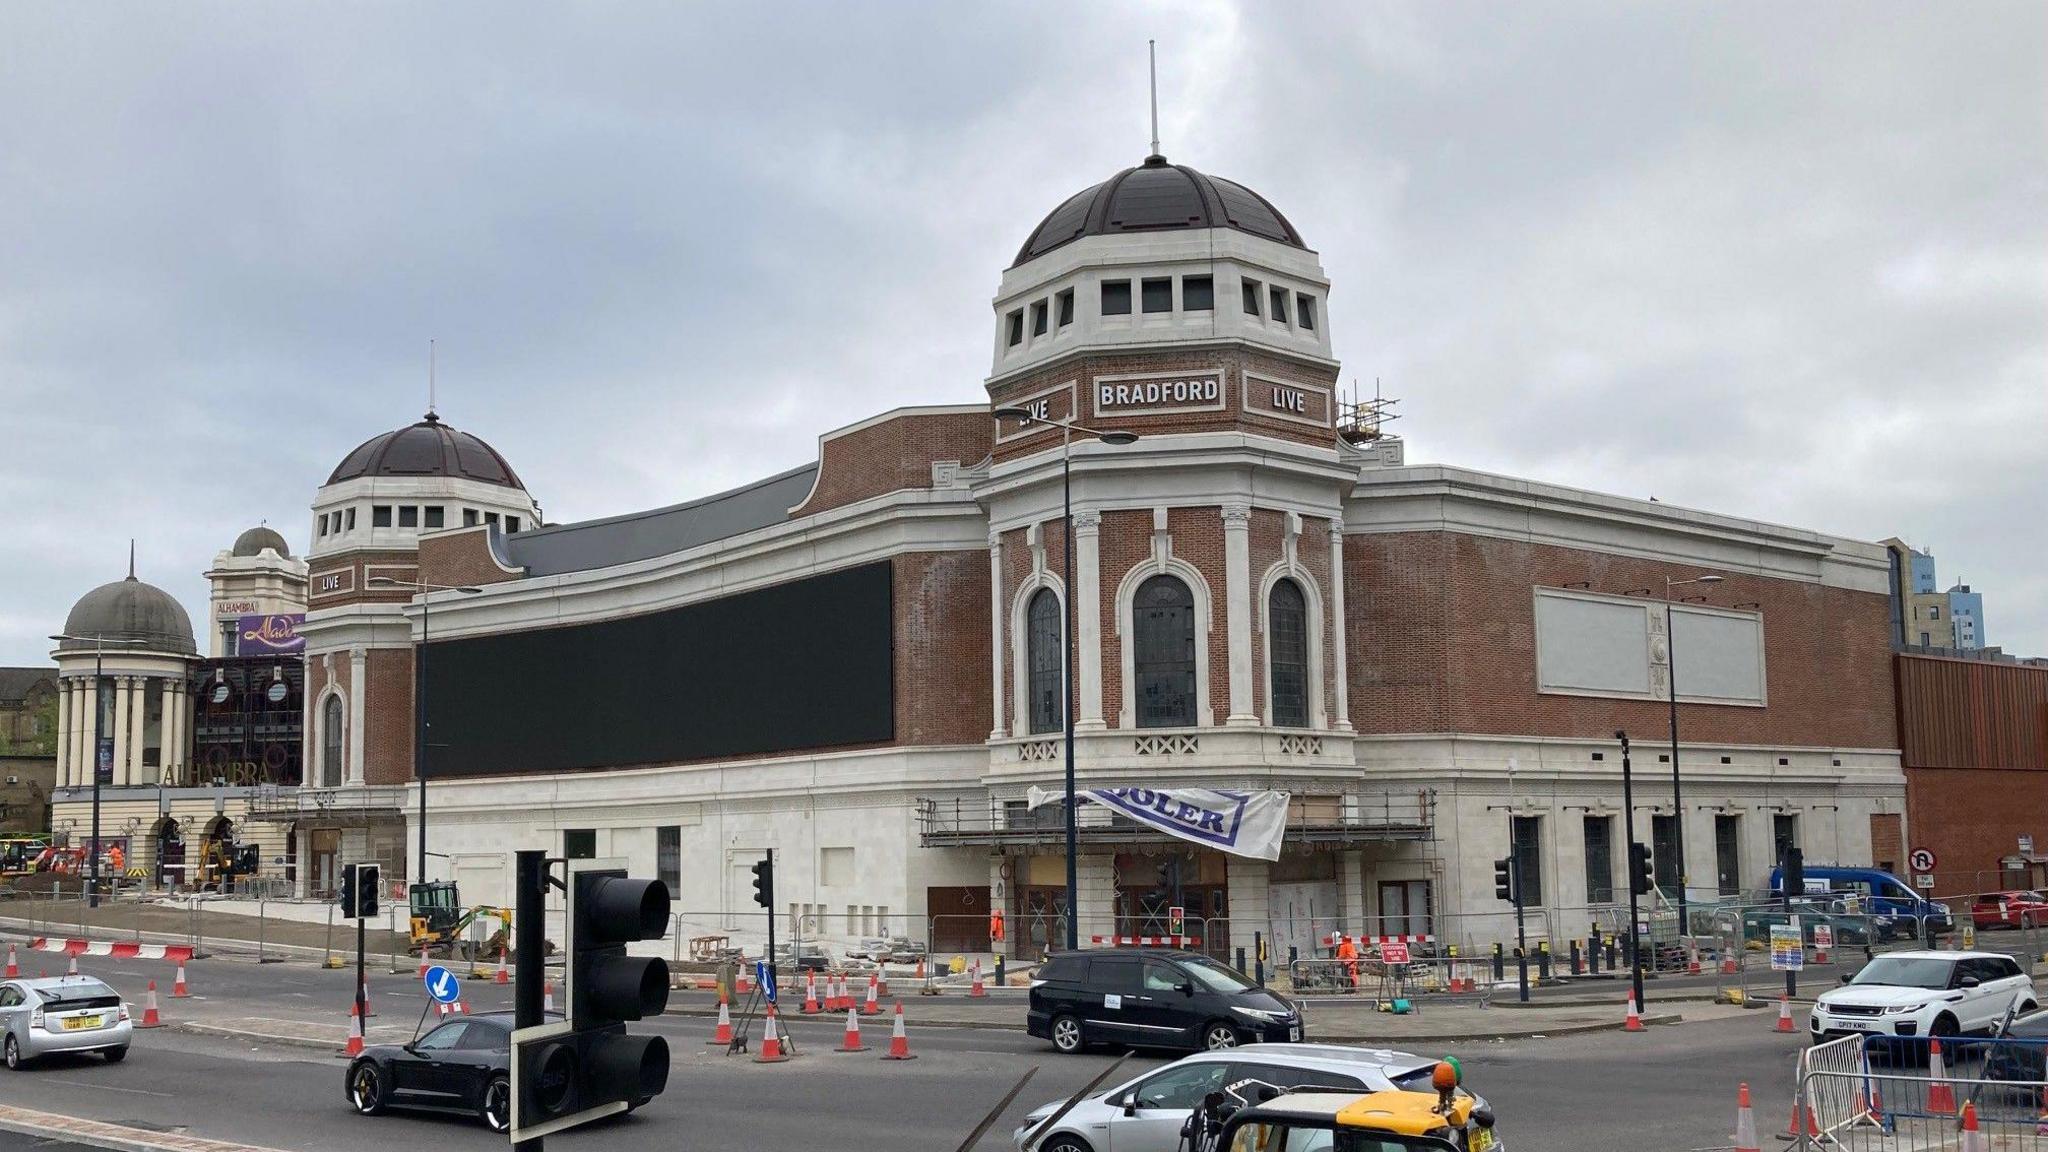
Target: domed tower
{"x":134,"y":641}
{"x":255,"y":577}
{"x":1165,"y":300}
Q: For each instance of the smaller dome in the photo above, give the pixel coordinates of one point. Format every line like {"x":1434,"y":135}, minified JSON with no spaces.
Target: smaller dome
{"x":256,"y":539}
{"x":428,"y":448}
{"x":130,"y":614}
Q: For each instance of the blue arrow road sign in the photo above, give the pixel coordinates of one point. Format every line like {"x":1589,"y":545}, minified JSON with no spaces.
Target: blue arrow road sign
{"x":442,"y":985}
{"x":765,"y":977}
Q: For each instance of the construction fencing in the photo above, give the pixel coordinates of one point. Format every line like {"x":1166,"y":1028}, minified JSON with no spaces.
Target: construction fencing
{"x":1895,"y":1094}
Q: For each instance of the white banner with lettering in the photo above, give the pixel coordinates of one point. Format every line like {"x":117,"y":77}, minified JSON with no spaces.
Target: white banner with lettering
{"x":1241,"y":823}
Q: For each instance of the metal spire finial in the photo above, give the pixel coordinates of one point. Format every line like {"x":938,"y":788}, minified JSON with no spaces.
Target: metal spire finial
{"x":430,"y":381}
{"x":1152,"y":58}
{"x":131,"y":557}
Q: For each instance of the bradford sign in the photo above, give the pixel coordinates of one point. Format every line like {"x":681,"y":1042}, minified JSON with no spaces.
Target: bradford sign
{"x":263,"y":635}
{"x":1158,"y":393}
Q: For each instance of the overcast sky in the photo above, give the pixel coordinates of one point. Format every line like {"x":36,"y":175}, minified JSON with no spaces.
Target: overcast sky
{"x":1785,"y":262}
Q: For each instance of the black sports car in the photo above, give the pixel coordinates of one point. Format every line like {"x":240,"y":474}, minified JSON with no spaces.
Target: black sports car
{"x":461,"y":1066}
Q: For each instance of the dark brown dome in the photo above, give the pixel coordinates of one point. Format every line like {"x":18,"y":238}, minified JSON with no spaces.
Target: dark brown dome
{"x":1156,"y":197}
{"x":428,"y":448}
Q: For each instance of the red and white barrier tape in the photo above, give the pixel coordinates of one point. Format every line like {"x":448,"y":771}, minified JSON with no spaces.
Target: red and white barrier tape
{"x":1148,"y":941}
{"x":173,"y":952}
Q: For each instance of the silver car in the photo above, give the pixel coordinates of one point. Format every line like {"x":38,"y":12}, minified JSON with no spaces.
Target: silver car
{"x":61,"y":1014}
{"x":1145,"y":1114}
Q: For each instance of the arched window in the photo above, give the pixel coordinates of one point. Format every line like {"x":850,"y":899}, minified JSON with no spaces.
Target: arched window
{"x":1163,"y":653}
{"x":1043,"y":651}
{"x":330,"y":738}
{"x":1287,"y":649}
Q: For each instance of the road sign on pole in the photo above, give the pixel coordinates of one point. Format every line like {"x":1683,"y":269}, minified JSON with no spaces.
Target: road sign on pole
{"x":764,"y":975}
{"x":1921,"y":860}
{"x":442,"y":985}
{"x":1787,"y":952}
{"x":1394,"y":952}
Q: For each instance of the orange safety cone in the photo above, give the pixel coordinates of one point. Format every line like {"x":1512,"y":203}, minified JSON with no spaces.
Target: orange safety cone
{"x":899,"y":1042}
{"x":842,"y":994}
{"x":1941,"y":1096}
{"x":1692,"y":960}
{"x":771,"y":1041}
{"x":150,"y":1019}
{"x":178,"y":989}
{"x":881,"y":983}
{"x":873,"y":1007}
{"x":1784,"y":1014}
{"x":810,"y":1007}
{"x":920,"y":968}
{"x":547,"y":996}
{"x":1812,"y":1124}
{"x":852,"y":1042}
{"x":73,"y":970}
{"x":742,"y":984}
{"x":1634,"y":1023}
{"x":1745,"y":1122}
{"x":366,"y":998}
{"x":13,"y":969}
{"x":355,"y":1033}
{"x":1728,"y":964}
{"x":976,"y":988}
{"x":1973,"y":1139}
{"x":504,"y":976}
{"x":424,"y":966}
{"x":723,"y":1036}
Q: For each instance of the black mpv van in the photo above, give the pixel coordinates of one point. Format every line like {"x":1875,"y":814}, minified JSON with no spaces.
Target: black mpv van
{"x":1153,"y":998}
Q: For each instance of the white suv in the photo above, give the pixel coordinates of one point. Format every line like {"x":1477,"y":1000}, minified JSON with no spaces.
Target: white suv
{"x":1924,"y":993}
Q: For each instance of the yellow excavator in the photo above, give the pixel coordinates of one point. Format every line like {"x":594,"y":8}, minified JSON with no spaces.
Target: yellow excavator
{"x":440,"y":925}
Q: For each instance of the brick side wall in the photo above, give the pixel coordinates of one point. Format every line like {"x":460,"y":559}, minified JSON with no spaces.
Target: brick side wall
{"x":462,"y":558}
{"x":1442,"y":638}
{"x":387,"y":715}
{"x":896,"y":454}
{"x":351,"y":566}
{"x":942,"y":639}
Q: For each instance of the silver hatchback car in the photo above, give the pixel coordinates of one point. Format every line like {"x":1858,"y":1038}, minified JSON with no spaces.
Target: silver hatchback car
{"x":49,"y":1015}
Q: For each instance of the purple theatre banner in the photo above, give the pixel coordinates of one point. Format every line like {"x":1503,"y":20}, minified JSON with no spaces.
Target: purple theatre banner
{"x":263,"y":635}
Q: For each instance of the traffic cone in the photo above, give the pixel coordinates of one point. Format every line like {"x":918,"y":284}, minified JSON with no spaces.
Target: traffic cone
{"x":13,"y":968}
{"x":810,"y":1007}
{"x":1973,"y":1139}
{"x":504,"y":975}
{"x":842,"y":999}
{"x":1692,"y":960}
{"x":1634,"y":1023}
{"x":881,"y":984}
{"x":1745,"y":1122}
{"x":366,"y":998}
{"x":73,"y":970}
{"x":150,"y":1019}
{"x":355,"y":1033}
{"x":742,"y":984}
{"x":547,"y":996}
{"x":899,"y":1042}
{"x":771,"y":1042}
{"x":178,"y":989}
{"x":424,"y":966}
{"x":852,"y":1042}
{"x":1784,"y":1014}
{"x":976,"y":989}
{"x":920,"y":968}
{"x":1728,"y":964}
{"x":1812,"y":1124}
{"x":1941,"y":1096}
{"x":873,"y":1007}
{"x":723,"y":1036}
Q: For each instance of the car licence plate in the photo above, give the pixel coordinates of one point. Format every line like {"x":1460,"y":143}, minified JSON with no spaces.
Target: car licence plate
{"x":1852,"y":1025}
{"x":1482,"y":1140}
{"x":1294,"y":1033}
{"x":79,"y":1023}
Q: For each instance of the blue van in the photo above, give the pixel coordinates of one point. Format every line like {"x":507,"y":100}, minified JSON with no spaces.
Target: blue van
{"x":1896,"y":909}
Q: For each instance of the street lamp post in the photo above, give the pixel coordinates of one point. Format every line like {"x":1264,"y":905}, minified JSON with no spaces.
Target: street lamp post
{"x":1677,"y":795}
{"x":1628,"y":830}
{"x":419,"y":704}
{"x":1067,"y":430}
{"x":98,"y":654}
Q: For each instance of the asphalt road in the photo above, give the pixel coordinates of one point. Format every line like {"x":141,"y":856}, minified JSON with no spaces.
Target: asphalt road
{"x":1588,"y":1092}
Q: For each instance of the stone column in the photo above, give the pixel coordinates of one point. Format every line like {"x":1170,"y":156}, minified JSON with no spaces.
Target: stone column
{"x":1339,"y":623}
{"x":122,"y":706}
{"x":1247,"y":892}
{"x":177,"y":726}
{"x":63,"y":732}
{"x":1237,"y":564}
{"x":1352,"y":916}
{"x":81,"y":731}
{"x":358,"y":691}
{"x":1087,"y":594}
{"x":998,"y":624}
{"x":138,"y":729}
{"x":1095,"y":882}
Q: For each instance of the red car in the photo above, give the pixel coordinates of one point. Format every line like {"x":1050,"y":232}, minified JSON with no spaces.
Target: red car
{"x":2006,"y":909}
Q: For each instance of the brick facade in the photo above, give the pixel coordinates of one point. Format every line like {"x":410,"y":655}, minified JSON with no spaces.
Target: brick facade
{"x":1441,"y":638}
{"x":1974,"y":740}
{"x":461,"y":558}
{"x":894,"y":453}
{"x":343,"y":578}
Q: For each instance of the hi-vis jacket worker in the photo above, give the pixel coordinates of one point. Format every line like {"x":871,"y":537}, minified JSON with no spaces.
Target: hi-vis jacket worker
{"x":1347,"y":952}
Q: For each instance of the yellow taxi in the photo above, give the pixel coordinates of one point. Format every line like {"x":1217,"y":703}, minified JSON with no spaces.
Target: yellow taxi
{"x":1394,"y":1121}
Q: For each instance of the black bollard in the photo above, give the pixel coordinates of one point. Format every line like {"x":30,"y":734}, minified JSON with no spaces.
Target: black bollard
{"x":1259,"y":959}
{"x":1500,"y":971}
{"x":1240,"y":958}
{"x":1578,"y":964}
{"x":1543,"y":961}
{"x":999,"y":971}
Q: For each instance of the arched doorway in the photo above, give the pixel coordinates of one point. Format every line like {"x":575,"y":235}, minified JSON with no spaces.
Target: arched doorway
{"x":216,"y":851}
{"x":170,"y":853}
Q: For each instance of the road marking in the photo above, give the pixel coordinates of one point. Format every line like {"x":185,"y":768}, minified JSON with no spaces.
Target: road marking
{"x":109,"y":1088}
{"x":111,"y":1135}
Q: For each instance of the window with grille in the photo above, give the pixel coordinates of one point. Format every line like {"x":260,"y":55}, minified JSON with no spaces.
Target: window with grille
{"x":1163,"y":653}
{"x":1042,"y":653}
{"x":1599,"y":859}
{"x":668,"y":858}
{"x":1528,"y":847}
{"x":579,"y":843}
{"x":1287,"y":648}
{"x":1784,"y":833}
{"x":1664,"y":852}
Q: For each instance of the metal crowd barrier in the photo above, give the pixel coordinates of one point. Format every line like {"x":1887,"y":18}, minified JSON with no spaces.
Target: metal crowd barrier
{"x":1869,"y":1092}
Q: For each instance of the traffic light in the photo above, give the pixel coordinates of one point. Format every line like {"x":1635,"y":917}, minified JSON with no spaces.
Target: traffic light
{"x":1639,"y":872}
{"x":587,"y":1065}
{"x":764,"y":884}
{"x":1504,"y":887}
{"x":359,"y":883}
{"x":1792,"y":873}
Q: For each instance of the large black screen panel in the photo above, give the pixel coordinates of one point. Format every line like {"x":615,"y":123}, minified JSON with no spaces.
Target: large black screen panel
{"x":808,"y":664}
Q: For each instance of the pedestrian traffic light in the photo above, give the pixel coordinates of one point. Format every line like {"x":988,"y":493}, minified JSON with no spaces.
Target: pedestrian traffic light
{"x":588,"y":1065}
{"x":764,"y":884}
{"x":1504,"y":879}
{"x":359,"y":884}
{"x":1639,"y":872}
